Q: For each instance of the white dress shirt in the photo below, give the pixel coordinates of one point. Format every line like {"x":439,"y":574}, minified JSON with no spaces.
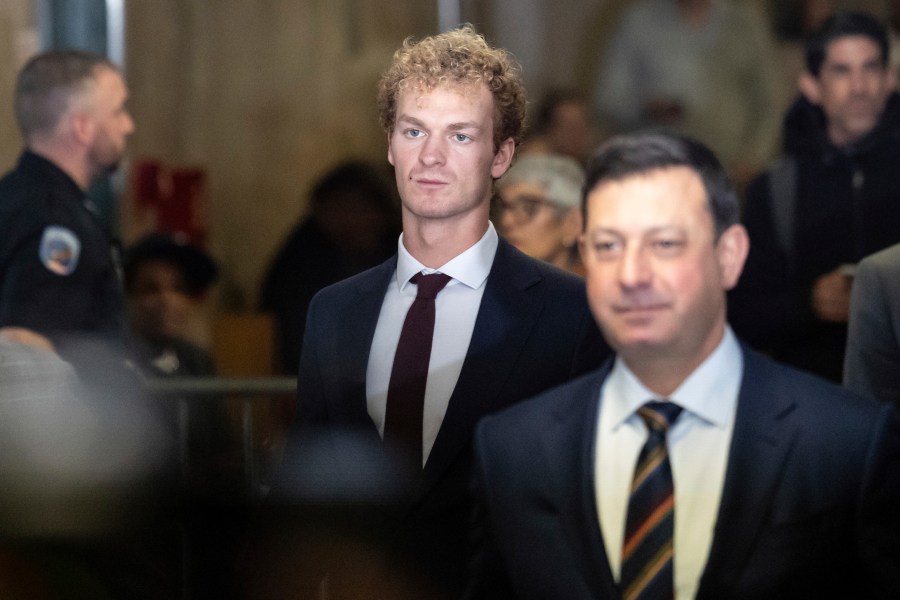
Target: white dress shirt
{"x":697,"y":444}
{"x":456,"y":308}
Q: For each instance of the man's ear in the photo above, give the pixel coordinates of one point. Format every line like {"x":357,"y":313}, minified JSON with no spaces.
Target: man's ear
{"x":82,"y":126}
{"x":809,"y":87}
{"x":503,"y":158}
{"x":390,"y":150}
{"x":731,"y":250}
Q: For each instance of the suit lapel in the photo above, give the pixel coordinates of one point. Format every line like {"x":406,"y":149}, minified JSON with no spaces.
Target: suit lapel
{"x":509,"y":308}
{"x":569,"y":455}
{"x":354,"y":339}
{"x":763,"y":436}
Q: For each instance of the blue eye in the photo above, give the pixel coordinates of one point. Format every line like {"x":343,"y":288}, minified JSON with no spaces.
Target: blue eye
{"x":413,"y":133}
{"x":461,"y":137}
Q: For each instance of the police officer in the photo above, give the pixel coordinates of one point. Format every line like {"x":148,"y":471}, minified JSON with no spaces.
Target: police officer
{"x":59,"y":278}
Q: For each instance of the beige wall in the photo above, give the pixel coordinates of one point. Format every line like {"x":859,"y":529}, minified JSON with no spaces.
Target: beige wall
{"x":265,"y":95}
{"x":18,"y":40}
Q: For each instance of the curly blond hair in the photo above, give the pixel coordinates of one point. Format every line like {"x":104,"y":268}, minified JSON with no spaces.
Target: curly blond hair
{"x":461,"y":56}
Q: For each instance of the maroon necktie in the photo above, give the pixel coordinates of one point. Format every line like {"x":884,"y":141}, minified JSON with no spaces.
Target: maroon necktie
{"x":406,"y":393}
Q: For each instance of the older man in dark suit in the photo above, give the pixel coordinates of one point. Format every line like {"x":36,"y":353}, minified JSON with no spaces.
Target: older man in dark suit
{"x":688,"y":467}
{"x":505,"y":326}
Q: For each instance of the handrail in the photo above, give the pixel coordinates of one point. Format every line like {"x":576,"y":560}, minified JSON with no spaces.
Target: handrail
{"x":215,"y":386}
{"x":250,"y":389}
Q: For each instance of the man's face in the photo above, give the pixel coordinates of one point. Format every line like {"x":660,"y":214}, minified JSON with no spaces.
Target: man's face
{"x":113,"y":123}
{"x":852,"y":87}
{"x":531,"y":223}
{"x":442,"y":149}
{"x":572,"y":131}
{"x":656,"y":276}
{"x":158,"y":301}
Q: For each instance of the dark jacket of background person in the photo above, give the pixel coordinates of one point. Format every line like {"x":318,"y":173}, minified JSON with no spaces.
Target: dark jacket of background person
{"x":353,"y":226}
{"x":83,"y":296}
{"x":846,"y":205}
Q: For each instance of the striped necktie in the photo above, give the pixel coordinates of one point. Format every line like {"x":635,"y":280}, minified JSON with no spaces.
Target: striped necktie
{"x":647,"y":570}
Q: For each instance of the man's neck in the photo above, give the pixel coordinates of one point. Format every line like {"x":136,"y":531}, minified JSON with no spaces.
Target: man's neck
{"x":839,"y":139}
{"x":663,"y":373}
{"x":435,"y":242}
{"x":66,"y":160}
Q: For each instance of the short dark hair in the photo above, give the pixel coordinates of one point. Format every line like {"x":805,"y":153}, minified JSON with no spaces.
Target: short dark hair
{"x":196,"y":266}
{"x":637,"y":154}
{"x":361,"y":178}
{"x":47,"y":83}
{"x":546,"y":110}
{"x":840,"y":25}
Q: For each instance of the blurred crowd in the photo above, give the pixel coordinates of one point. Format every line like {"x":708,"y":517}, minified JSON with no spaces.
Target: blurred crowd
{"x":112,"y":491}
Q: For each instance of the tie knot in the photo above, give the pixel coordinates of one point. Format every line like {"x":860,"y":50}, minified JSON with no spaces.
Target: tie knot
{"x":659,"y":416}
{"x":428,"y":286}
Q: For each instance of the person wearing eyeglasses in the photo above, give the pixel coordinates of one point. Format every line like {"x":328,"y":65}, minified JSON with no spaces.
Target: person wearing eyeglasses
{"x":538,"y":208}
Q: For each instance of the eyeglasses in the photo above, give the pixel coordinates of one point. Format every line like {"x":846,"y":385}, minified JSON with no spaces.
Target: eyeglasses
{"x":522,"y":208}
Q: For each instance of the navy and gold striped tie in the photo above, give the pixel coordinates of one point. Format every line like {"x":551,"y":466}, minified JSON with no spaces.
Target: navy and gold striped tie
{"x":647,"y":570}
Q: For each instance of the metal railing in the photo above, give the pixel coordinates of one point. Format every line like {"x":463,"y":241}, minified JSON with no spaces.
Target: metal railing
{"x":188,"y":390}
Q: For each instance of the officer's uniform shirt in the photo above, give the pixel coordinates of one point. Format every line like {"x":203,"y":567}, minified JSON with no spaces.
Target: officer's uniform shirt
{"x":59,"y":272}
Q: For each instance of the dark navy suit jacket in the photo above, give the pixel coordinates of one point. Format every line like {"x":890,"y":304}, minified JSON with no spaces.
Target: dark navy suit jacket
{"x":810,"y":505}
{"x":533,"y":331}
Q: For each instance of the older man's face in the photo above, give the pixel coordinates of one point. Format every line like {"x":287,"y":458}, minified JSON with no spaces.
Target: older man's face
{"x":656,"y":273}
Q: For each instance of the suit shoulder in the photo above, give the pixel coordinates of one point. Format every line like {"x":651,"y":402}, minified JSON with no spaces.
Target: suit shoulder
{"x":537,"y":411}
{"x":889,"y":258}
{"x":17,"y":198}
{"x":817,"y":399}
{"x":347,"y":288}
{"x":526,"y":270}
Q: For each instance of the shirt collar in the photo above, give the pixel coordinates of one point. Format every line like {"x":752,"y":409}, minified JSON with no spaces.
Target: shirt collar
{"x":710,"y":392}
{"x":470,"y":268}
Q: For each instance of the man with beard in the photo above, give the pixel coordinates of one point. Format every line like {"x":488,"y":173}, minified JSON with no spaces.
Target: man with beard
{"x":60,"y":291}
{"x":832,"y":199}
{"x":58,"y":269}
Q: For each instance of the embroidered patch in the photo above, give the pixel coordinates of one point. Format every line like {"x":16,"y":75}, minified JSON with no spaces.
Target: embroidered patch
{"x":60,"y":249}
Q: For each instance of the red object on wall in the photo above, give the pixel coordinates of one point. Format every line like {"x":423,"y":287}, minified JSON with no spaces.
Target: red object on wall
{"x":178,"y":197}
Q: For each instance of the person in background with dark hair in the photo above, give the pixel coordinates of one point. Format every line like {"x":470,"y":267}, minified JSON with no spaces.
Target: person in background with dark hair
{"x":833,"y":198}
{"x":563,"y":123}
{"x":689,"y":466}
{"x":164,"y":281}
{"x":353,"y":225}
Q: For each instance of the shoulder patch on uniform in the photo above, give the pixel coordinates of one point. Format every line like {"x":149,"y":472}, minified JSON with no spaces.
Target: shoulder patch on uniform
{"x":60,"y":249}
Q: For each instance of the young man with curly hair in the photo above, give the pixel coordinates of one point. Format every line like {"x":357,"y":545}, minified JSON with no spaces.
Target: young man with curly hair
{"x":505,"y":326}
